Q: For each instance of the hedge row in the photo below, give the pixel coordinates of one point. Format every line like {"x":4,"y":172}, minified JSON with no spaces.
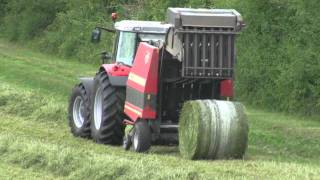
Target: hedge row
{"x":278,"y":62}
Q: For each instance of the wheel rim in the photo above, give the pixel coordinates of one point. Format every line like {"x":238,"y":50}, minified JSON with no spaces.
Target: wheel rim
{"x":135,"y":141}
{"x":78,"y":109}
{"x":98,"y":108}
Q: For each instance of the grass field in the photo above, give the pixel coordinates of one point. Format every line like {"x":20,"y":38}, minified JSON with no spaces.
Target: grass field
{"x":35,"y":142}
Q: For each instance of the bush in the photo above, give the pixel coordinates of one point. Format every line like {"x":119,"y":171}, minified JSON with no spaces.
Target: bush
{"x":3,"y":10}
{"x":26,"y":19}
{"x":69,"y":34}
{"x":278,"y":67}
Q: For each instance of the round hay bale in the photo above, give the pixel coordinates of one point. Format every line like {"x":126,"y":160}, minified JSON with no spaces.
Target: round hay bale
{"x":212,"y":129}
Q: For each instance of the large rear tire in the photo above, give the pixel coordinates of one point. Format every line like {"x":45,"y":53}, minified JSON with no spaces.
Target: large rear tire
{"x":108,"y":114}
{"x":79,"y":112}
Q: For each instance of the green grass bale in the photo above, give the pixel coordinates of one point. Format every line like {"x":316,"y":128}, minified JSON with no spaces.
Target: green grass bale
{"x":211,"y":129}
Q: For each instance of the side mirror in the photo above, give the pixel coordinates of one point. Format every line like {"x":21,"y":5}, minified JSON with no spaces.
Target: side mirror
{"x":96,"y":35}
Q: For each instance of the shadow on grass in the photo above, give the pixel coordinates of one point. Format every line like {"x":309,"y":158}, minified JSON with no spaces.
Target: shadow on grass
{"x":165,"y":150}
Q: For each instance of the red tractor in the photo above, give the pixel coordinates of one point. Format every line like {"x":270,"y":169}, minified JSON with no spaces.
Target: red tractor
{"x":157,"y":67}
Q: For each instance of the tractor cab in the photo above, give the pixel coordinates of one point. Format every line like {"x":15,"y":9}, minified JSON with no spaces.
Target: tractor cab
{"x":129,"y":34}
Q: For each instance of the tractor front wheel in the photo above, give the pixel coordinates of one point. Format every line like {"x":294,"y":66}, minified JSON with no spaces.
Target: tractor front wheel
{"x":79,"y":112}
{"x":141,"y":139}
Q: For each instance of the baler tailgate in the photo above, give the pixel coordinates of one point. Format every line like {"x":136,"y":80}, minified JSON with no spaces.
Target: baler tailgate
{"x":207,"y":55}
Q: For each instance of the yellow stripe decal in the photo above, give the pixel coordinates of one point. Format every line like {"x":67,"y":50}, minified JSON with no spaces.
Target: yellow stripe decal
{"x":137,"y":79}
{"x":133,"y":110}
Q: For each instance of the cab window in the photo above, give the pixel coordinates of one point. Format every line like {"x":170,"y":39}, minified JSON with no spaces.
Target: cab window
{"x":126,"y":47}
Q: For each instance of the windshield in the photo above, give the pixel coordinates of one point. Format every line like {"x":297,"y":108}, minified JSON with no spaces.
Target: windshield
{"x":127,"y":44}
{"x":126,"y":47}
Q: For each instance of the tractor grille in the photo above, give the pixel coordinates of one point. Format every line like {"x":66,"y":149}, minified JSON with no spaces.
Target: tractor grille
{"x":208,"y":52}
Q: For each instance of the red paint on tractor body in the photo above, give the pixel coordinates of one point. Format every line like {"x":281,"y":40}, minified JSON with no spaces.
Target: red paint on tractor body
{"x":116,"y":69}
{"x":226,"y":88}
{"x":142,"y":84}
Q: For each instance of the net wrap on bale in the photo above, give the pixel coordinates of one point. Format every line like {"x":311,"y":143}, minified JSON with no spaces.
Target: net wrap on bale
{"x":212,"y":129}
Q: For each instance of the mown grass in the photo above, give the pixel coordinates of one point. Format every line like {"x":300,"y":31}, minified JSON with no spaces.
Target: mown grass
{"x":35,"y":142}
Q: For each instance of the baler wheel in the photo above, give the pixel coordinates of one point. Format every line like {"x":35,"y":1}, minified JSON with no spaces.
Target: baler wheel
{"x":141,"y":139}
{"x":79,"y":112}
{"x":127,"y":142}
{"x":108,"y":114}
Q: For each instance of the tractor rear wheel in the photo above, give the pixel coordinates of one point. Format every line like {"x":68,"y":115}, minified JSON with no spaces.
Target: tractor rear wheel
{"x":79,"y":112}
{"x":108,"y":114}
{"x":141,"y":139}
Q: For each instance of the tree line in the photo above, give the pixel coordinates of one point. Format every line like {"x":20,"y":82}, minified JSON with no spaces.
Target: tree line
{"x":278,"y":66}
